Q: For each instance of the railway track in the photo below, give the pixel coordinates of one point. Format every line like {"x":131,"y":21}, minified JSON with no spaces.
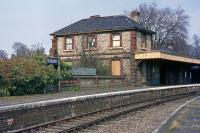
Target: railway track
{"x":78,"y":123}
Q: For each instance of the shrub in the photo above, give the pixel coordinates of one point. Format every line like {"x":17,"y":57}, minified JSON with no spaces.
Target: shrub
{"x":3,"y":92}
{"x":65,"y":67}
{"x":22,"y":76}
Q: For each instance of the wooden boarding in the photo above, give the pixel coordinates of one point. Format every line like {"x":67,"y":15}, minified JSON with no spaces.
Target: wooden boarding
{"x":165,"y":56}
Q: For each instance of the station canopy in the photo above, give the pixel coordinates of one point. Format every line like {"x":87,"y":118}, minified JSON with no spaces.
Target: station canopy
{"x":165,"y":56}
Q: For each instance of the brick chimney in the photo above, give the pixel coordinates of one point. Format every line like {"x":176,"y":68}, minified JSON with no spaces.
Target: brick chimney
{"x":136,"y":16}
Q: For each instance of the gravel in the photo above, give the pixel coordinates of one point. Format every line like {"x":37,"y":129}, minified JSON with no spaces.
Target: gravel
{"x":144,"y":121}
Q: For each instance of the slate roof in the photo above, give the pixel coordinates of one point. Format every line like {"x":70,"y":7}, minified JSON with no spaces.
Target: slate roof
{"x":100,"y":24}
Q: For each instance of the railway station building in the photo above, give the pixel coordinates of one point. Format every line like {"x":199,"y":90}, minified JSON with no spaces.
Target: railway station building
{"x":126,"y":47}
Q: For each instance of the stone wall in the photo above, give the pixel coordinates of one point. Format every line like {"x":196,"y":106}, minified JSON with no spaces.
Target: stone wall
{"x":131,"y":42}
{"x":127,"y":68}
{"x":60,"y":44}
{"x":103,"y":44}
{"x":139,"y":41}
{"x":23,"y":115}
{"x":104,"y":51}
{"x":102,"y":81}
{"x":148,"y":41}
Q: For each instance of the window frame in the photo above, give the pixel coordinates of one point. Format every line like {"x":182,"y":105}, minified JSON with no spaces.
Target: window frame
{"x":119,"y":40}
{"x":94,"y":40}
{"x":69,"y":43}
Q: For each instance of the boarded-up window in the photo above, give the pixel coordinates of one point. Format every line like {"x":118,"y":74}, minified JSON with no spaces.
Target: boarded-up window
{"x":116,"y":68}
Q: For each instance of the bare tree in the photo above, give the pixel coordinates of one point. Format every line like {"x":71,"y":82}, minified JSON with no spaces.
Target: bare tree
{"x":37,"y":49}
{"x":89,"y":50}
{"x":166,"y":22}
{"x":20,"y":50}
{"x":3,"y":54}
{"x":196,"y":45}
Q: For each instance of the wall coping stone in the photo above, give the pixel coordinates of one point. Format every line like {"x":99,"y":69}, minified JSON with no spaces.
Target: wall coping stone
{"x":86,"y":97}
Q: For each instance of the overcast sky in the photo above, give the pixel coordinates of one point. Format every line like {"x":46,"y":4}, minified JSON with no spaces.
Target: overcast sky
{"x":31,"y":21}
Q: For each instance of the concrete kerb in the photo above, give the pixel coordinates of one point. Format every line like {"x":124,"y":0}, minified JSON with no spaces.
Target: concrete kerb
{"x":85,"y":97}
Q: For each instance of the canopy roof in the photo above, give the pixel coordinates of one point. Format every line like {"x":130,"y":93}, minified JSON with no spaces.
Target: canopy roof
{"x":165,"y":56}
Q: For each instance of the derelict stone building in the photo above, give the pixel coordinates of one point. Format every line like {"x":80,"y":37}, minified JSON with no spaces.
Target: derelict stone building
{"x":126,"y":47}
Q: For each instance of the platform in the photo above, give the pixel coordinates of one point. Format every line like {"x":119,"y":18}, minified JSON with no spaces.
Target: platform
{"x":14,"y":117}
{"x":185,"y":120}
{"x":13,"y":100}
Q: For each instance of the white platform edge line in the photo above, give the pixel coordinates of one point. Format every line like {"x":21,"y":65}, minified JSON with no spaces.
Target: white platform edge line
{"x":173,"y":114}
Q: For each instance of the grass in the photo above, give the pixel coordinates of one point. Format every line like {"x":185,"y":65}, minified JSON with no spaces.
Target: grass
{"x":76,"y":88}
{"x":175,"y":124}
{"x":71,"y":89}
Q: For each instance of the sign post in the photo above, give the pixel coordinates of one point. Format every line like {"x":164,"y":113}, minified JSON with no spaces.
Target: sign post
{"x":59,"y":74}
{"x":56,"y":62}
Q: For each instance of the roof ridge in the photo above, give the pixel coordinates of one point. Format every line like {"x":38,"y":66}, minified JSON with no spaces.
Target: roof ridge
{"x":113,"y":22}
{"x":111,"y":16}
{"x":104,"y":16}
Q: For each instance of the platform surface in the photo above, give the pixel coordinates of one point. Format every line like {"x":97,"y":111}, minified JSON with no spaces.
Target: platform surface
{"x":186,"y":120}
{"x":13,"y":100}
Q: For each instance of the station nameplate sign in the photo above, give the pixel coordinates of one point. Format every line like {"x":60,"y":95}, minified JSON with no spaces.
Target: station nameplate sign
{"x":53,"y":61}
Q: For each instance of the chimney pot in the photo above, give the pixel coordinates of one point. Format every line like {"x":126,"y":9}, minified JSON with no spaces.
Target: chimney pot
{"x":136,"y":16}
{"x":95,"y":16}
